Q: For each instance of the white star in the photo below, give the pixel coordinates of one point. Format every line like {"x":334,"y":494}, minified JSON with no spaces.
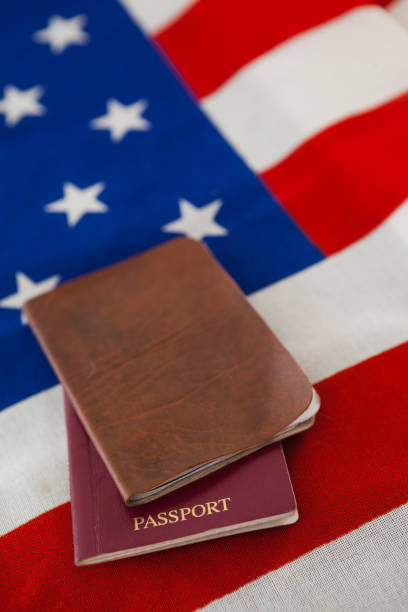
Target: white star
{"x":121,"y":119}
{"x":78,"y":202}
{"x":61,"y":33}
{"x":197,"y":222}
{"x":27,"y":289}
{"x":18,"y":103}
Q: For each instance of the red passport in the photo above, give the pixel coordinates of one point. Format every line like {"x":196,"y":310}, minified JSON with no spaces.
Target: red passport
{"x":253,"y":493}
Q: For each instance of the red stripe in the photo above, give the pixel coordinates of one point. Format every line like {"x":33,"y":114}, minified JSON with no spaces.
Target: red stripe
{"x":351,"y":467}
{"x":341,"y":184}
{"x":213,"y":39}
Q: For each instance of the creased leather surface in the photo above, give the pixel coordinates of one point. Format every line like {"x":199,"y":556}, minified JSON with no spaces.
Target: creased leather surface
{"x":167,"y":364}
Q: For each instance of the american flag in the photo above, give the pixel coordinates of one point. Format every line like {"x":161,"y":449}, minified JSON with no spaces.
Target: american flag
{"x":276,"y":132}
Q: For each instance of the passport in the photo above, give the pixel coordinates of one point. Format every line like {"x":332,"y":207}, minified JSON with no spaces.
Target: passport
{"x":171,"y":371}
{"x":253,"y":493}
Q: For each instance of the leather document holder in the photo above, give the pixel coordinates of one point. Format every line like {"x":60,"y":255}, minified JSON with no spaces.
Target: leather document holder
{"x":171,"y":371}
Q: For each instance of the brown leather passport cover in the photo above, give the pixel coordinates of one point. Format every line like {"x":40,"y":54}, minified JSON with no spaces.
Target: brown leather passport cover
{"x":168,"y":367}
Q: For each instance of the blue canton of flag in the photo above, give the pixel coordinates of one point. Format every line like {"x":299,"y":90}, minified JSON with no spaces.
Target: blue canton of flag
{"x":104,"y":154}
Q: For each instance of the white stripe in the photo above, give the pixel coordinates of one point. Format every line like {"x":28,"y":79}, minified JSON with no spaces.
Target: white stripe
{"x":349,"y":306}
{"x":366,"y":569}
{"x":332,"y":315}
{"x":399,"y":10}
{"x":154,"y":15}
{"x":33,"y":459}
{"x":348,"y":65}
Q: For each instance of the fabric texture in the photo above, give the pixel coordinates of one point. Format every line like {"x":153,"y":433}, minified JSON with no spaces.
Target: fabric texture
{"x":328,"y":578}
{"x":276,"y":133}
